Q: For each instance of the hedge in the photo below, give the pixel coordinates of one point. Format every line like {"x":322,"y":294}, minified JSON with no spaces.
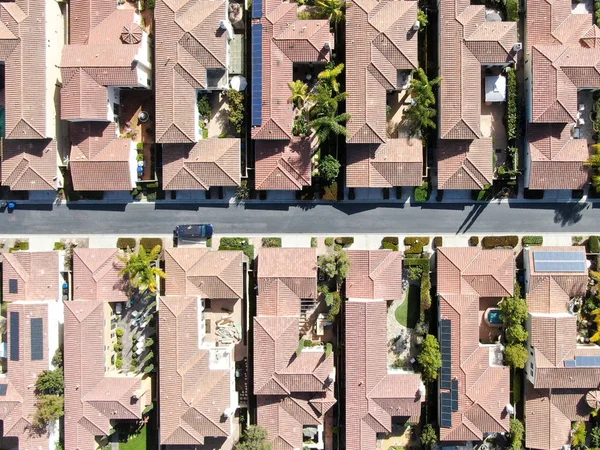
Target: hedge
{"x":391,"y":239}
{"x":236,"y":243}
{"x":415,"y":245}
{"x":313,"y":242}
{"x":271,"y":242}
{"x":499,"y":241}
{"x":150,"y":243}
{"x":59,"y":246}
{"x":594,"y":244}
{"x":389,"y":246}
{"x":532,"y":240}
{"x":422,"y":192}
{"x":474,"y":241}
{"x":425,"y":295}
{"x":597,"y":12}
{"x":511,"y":106}
{"x":126,"y":243}
{"x":437,"y":241}
{"x":512,"y":10}
{"x":344,"y":241}
{"x":329,"y":242}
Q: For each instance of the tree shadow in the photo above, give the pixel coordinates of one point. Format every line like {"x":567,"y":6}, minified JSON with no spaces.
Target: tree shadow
{"x":569,"y":213}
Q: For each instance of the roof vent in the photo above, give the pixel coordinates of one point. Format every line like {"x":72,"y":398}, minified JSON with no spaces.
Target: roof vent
{"x":518,"y":47}
{"x":416,"y":25}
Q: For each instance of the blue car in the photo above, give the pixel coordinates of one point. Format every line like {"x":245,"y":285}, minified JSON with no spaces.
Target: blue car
{"x":194,"y":232}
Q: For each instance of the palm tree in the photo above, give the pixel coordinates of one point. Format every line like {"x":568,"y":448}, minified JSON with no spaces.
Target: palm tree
{"x":330,"y":74}
{"x":299,"y":93}
{"x":327,"y":125}
{"x":333,"y":10}
{"x":324,"y":102}
{"x":419,"y":115}
{"x":141,"y":269}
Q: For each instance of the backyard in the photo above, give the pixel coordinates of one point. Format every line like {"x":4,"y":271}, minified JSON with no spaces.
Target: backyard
{"x":402,"y":318}
{"x":407,"y":314}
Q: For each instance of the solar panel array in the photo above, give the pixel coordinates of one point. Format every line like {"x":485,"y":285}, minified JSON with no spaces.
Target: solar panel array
{"x":3,"y":389}
{"x":557,"y":261}
{"x":446,"y":410}
{"x":454,"y":395}
{"x":37,"y":339}
{"x":257,"y":74}
{"x":446,"y":348}
{"x":570,"y":363}
{"x":13,"y":286}
{"x":587,"y":361}
{"x":257,"y":9}
{"x":14,"y":336}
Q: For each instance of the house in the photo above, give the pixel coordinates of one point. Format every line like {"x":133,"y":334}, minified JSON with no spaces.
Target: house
{"x":28,"y":125}
{"x":562,"y":373}
{"x":109,"y":52}
{"x":375,"y":394}
{"x":474,"y":382}
{"x":31,"y":276}
{"x":381,"y":41}
{"x":293,"y":386}
{"x":283,"y":47}
{"x":198,"y":394}
{"x":96,"y":275}
{"x":561,"y":73}
{"x":469,"y":46}
{"x":193,"y":59}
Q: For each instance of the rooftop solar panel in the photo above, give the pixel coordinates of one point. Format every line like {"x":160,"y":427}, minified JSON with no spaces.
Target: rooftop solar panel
{"x":454,"y":395}
{"x":556,"y":261}
{"x":587,"y":361}
{"x":257,"y":9}
{"x":257,"y":67}
{"x":570,"y":363}
{"x":37,"y":339}
{"x":445,"y":410}
{"x":3,"y":389}
{"x":14,"y":336}
{"x":13,"y":286}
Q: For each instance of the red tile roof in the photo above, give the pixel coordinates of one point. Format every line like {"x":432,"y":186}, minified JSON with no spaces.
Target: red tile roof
{"x":87,"y":15}
{"x":464,"y":276}
{"x":99,"y":160}
{"x":193,"y":395}
{"x":188,"y":42}
{"x":374,"y":274}
{"x":283,"y":165}
{"x":29,"y":165}
{"x":465,"y":164}
{"x":36,"y":273}
{"x":380,"y":41}
{"x":205,"y":273}
{"x":209,"y":162}
{"x":374,"y":395}
{"x":96,"y":275}
{"x":294,"y":267}
{"x":397,"y":162}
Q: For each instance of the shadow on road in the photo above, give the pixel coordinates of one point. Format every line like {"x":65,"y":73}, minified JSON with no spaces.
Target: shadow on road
{"x":97,"y":207}
{"x":569,"y":213}
{"x":472,"y":217}
{"x":34,"y":207}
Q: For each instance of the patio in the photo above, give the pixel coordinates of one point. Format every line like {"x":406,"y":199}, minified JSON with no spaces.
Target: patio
{"x":488,"y":334}
{"x":491,"y":120}
{"x":397,"y":102}
{"x":133,"y":102}
{"x":401,"y":339}
{"x":218,"y":123}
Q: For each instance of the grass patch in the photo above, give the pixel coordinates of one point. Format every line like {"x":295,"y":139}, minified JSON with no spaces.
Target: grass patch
{"x":237,"y":243}
{"x":137,"y":442}
{"x":407,"y":314}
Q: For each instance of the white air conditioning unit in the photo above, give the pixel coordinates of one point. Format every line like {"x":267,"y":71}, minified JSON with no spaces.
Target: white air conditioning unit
{"x":518,"y":47}
{"x":416,"y":25}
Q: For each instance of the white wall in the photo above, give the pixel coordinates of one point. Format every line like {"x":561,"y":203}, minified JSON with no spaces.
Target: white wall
{"x":55,"y":40}
{"x":133,"y":163}
{"x":114,"y":96}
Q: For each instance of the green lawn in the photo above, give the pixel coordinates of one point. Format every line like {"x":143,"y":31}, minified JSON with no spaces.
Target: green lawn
{"x":407,"y":313}
{"x":135,"y":443}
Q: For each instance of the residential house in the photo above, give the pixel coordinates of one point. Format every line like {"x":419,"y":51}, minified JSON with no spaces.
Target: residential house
{"x":381,"y":42}
{"x":474,"y":384}
{"x":31,"y":276}
{"x":97,"y":393}
{"x":30,"y":32}
{"x":561,"y":74}
{"x":376,"y":395}
{"x":201,"y":307}
{"x":193,"y":58}
{"x":293,"y":386}
{"x":285,"y":48}
{"x":471,"y":48}
{"x":109,"y":52}
{"x":562,"y":373}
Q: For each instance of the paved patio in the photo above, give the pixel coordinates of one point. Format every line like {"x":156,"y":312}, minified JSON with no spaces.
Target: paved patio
{"x":488,"y":334}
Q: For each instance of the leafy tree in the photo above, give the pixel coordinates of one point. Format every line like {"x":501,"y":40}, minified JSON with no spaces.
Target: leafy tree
{"x":579,"y":435}
{"x":325,"y":101}
{"x":419,"y":115}
{"x":516,"y":334}
{"x":514,"y":310}
{"x":50,"y":382}
{"x":422,"y":18}
{"x":49,"y":407}
{"x":430,"y":358}
{"x":300,"y":126}
{"x":595,"y":436}
{"x":242,"y":192}
{"x":140,"y":269}
{"x":335,"y":306}
{"x":594,"y":163}
{"x":329,"y":76}
{"x":57,"y":359}
{"x":204,"y":108}
{"x":327,"y":125}
{"x":429,"y":436}
{"x":335,"y":266}
{"x":299,"y":93}
{"x":235,"y":100}
{"x":517,"y":432}
{"x":329,"y":168}
{"x":334,"y":10}
{"x":254,"y":438}
{"x":515,"y":355}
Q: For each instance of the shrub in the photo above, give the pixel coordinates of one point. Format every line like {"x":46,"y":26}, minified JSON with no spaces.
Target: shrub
{"x":119,"y":363}
{"x":515,"y":356}
{"x":344,"y":241}
{"x":59,"y":246}
{"x":329,"y":169}
{"x":578,"y":436}
{"x":140,"y":146}
{"x":532,"y":240}
{"x":595,"y":437}
{"x":300,"y":126}
{"x":430,"y":358}
{"x":474,"y":241}
{"x":139,"y":157}
{"x":50,"y":382}
{"x":389,"y":246}
{"x":119,"y":333}
{"x":335,"y":266}
{"x":336,"y":304}
{"x":485,"y":194}
{"x":428,"y":436}
{"x":328,"y":349}
{"x":422,"y":192}
{"x":242,"y":192}
{"x":271,"y":242}
{"x":204,"y":108}
{"x":126,"y":243}
{"x":499,"y":241}
{"x":415,"y":273}
{"x":149,"y":368}
{"x":391,"y":239}
{"x":48,"y":407}
{"x":516,"y":435}
{"x":415,"y":245}
{"x":329,"y":242}
{"x":437,"y":241}
{"x":512,"y":10}
{"x":313,"y":242}
{"x":209,"y":243}
{"x":235,"y":101}
{"x":594,"y":244}
{"x":118,"y":347}
{"x":237,"y":243}
{"x":422,"y":18}
{"x":511,"y":107}
{"x":425,"y":292}
{"x":150,"y":243}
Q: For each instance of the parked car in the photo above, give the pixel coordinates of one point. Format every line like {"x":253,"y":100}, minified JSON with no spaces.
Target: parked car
{"x":194,"y":232}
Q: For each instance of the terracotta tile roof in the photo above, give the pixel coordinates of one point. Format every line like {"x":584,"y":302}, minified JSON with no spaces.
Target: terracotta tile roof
{"x":283,"y":165}
{"x":18,"y":404}
{"x":96,"y":275}
{"x":464,"y":276}
{"x":382,"y":42}
{"x":87,"y":15}
{"x":295,"y":267}
{"x":204,"y":273}
{"x":99,"y":160}
{"x":193,"y":395}
{"x":375,"y":274}
{"x":277,"y":299}
{"x":465,"y":164}
{"x":36,"y":273}
{"x":93,"y":398}
{"x":199,"y":166}
{"x":188,"y":42}
{"x":373,"y":395}
{"x":23,"y":51}
{"x":285,"y":40}
{"x":556,"y":161}
{"x":29,"y":165}
{"x":397,"y":162}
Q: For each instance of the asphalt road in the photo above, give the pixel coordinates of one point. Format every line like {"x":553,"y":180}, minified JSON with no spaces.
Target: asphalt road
{"x":263,"y":217}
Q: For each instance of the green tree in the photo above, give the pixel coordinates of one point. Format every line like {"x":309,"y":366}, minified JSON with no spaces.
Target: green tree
{"x":235,"y":101}
{"x":515,"y":355}
{"x":422,"y":18}
{"x":329,"y":168}
{"x":594,"y":163}
{"x":299,"y":93}
{"x":49,"y":407}
{"x":579,"y":435}
{"x":242,"y":192}
{"x":429,"y":436}
{"x":517,"y":432}
{"x":254,"y":438}
{"x":327,"y":126}
{"x":419,"y":115}
{"x":50,"y":382}
{"x":334,"y":10}
{"x":335,"y":266}
{"x":330,"y":75}
{"x":57,"y":359}
{"x":514,"y":311}
{"x":141,"y":268}
{"x":516,"y":334}
{"x":430,"y":358}
{"x":595,"y":436}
